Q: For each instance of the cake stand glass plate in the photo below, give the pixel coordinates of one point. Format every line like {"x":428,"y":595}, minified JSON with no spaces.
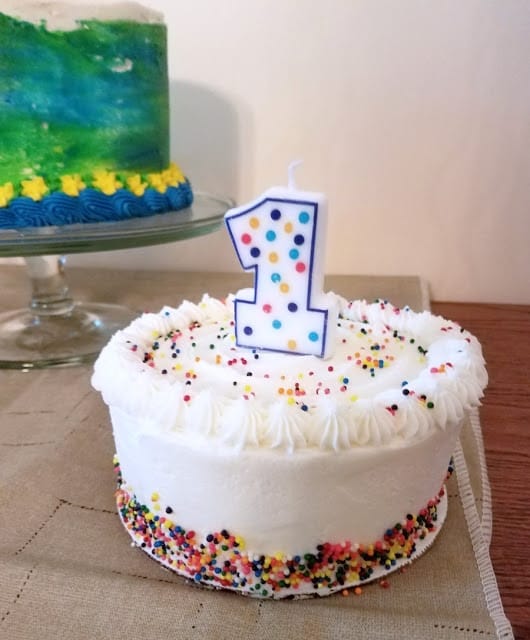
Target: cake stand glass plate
{"x":57,"y":331}
{"x":204,"y":216}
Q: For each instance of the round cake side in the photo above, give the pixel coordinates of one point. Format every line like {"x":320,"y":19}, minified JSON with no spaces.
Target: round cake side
{"x":220,"y":560}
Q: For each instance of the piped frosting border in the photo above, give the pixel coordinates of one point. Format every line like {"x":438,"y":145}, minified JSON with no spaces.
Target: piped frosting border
{"x":449,"y":382}
{"x":103,"y":196}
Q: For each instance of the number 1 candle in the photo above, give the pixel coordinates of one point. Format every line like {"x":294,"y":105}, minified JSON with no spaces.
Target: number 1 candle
{"x":281,"y":237}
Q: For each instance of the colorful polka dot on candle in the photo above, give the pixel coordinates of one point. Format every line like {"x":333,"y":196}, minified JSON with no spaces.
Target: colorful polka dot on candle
{"x":283,"y":234}
{"x":304,"y":217}
{"x":276,"y":324}
{"x":292,"y":307}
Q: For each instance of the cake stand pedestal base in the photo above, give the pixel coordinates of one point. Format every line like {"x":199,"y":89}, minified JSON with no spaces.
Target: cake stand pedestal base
{"x":56,"y":331}
{"x":29,"y":341}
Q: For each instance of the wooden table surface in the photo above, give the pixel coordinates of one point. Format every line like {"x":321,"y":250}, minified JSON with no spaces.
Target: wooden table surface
{"x":504,"y":331}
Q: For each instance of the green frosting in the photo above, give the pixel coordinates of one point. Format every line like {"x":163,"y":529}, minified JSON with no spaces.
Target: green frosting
{"x":82,"y":100}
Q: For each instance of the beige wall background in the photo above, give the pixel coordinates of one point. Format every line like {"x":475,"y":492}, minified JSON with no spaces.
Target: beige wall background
{"x":412,"y":116}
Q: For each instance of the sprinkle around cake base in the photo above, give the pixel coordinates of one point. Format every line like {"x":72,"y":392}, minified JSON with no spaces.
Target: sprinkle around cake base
{"x":220,"y":561}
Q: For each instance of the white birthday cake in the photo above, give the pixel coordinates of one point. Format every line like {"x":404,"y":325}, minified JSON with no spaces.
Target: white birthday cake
{"x":275,"y":473}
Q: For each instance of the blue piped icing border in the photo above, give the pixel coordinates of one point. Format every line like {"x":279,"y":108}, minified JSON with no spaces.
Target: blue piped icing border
{"x":90,"y":205}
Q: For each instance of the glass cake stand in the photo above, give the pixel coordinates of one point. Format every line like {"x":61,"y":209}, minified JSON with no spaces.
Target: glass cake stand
{"x":57,"y":331}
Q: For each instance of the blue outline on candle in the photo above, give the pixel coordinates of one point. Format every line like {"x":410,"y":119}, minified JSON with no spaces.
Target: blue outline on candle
{"x":238,"y":301}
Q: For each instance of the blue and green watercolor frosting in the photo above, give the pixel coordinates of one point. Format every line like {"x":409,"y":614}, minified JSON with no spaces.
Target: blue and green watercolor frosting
{"x":84,"y":124}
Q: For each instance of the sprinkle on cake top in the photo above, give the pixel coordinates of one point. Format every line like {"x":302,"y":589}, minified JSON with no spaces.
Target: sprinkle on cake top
{"x":395,"y":375}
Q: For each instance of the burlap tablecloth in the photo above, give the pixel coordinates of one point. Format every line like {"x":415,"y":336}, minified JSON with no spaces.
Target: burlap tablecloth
{"x":67,"y":569}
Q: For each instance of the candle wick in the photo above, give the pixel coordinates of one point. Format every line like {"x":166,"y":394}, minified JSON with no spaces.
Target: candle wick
{"x":290,"y":173}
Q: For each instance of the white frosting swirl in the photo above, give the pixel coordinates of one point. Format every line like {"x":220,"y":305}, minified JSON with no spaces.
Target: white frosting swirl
{"x":285,"y":427}
{"x":66,"y":16}
{"x":242,"y":424}
{"x":395,"y":376}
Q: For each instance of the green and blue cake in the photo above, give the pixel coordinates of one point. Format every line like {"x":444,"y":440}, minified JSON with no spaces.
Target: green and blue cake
{"x":84,"y":115}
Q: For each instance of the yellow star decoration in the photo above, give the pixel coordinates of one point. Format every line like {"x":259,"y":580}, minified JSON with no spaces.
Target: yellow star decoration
{"x":35,"y":188}
{"x":136,"y":185}
{"x":170,"y":177}
{"x":157,"y":182}
{"x":106,"y":182}
{"x":6,"y":193}
{"x":173,"y":176}
{"x":72,"y":184}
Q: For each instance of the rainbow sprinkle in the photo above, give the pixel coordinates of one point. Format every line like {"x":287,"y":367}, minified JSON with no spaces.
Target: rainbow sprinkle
{"x":172,"y":353}
{"x":219,"y":559}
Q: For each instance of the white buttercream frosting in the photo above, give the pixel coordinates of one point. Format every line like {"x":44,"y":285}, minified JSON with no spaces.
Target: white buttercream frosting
{"x":396,"y":376}
{"x":66,"y":16}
